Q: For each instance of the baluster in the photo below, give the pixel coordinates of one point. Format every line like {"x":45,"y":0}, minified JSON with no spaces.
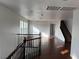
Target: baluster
{"x":31,"y":48}
{"x":24,"y":41}
{"x":40,"y":44}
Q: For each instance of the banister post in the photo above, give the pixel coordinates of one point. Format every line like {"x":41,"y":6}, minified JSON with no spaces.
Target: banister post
{"x":40,"y":44}
{"x":24,"y":41}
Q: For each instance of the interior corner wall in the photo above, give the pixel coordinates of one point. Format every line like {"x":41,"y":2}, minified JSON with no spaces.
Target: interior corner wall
{"x":9,"y":27}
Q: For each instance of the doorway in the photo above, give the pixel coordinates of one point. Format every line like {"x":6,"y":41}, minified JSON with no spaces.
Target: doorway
{"x":52,"y":30}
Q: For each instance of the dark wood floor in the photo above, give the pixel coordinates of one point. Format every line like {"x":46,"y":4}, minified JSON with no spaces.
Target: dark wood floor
{"x":55,"y":50}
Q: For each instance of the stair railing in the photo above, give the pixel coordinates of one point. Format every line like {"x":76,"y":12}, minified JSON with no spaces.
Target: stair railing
{"x":28,"y":49}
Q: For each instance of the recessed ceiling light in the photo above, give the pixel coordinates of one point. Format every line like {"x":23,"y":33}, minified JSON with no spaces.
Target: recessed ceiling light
{"x":41,"y":14}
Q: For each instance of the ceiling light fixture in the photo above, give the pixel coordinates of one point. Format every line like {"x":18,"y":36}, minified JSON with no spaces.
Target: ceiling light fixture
{"x":41,"y":14}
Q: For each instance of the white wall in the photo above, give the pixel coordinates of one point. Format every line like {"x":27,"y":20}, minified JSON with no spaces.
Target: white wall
{"x":40,"y":26}
{"x":68,"y":18}
{"x":58,"y":32}
{"x":75,"y":36}
{"x":9,"y":27}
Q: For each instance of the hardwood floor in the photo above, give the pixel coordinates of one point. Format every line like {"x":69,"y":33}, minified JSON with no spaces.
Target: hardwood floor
{"x":55,"y":50}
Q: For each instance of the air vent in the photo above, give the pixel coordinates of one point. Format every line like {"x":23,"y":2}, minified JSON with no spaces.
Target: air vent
{"x":60,"y":8}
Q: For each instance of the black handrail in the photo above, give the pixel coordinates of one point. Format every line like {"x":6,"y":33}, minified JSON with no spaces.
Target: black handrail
{"x":19,"y":46}
{"x":33,"y":39}
{"x":27,"y":34}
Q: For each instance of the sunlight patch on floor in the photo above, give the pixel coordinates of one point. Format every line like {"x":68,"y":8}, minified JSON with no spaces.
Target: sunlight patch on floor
{"x":74,"y":57}
{"x":60,"y":46}
{"x":64,"y":51}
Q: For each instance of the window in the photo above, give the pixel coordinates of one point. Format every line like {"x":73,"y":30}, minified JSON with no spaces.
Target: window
{"x":23,"y":27}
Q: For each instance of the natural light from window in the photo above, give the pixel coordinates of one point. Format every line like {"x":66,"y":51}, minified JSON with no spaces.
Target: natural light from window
{"x":23,"y":27}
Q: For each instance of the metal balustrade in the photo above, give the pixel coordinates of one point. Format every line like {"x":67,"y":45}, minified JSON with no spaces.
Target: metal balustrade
{"x":28,"y":49}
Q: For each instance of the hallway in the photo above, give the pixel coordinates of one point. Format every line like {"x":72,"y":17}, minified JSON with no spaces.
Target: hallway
{"x":53,"y":51}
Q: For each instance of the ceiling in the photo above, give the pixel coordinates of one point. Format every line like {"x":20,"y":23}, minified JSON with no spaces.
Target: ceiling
{"x":37,"y":9}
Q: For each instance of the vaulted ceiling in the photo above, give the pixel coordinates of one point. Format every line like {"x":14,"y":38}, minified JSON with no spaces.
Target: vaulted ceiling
{"x":37,"y":9}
